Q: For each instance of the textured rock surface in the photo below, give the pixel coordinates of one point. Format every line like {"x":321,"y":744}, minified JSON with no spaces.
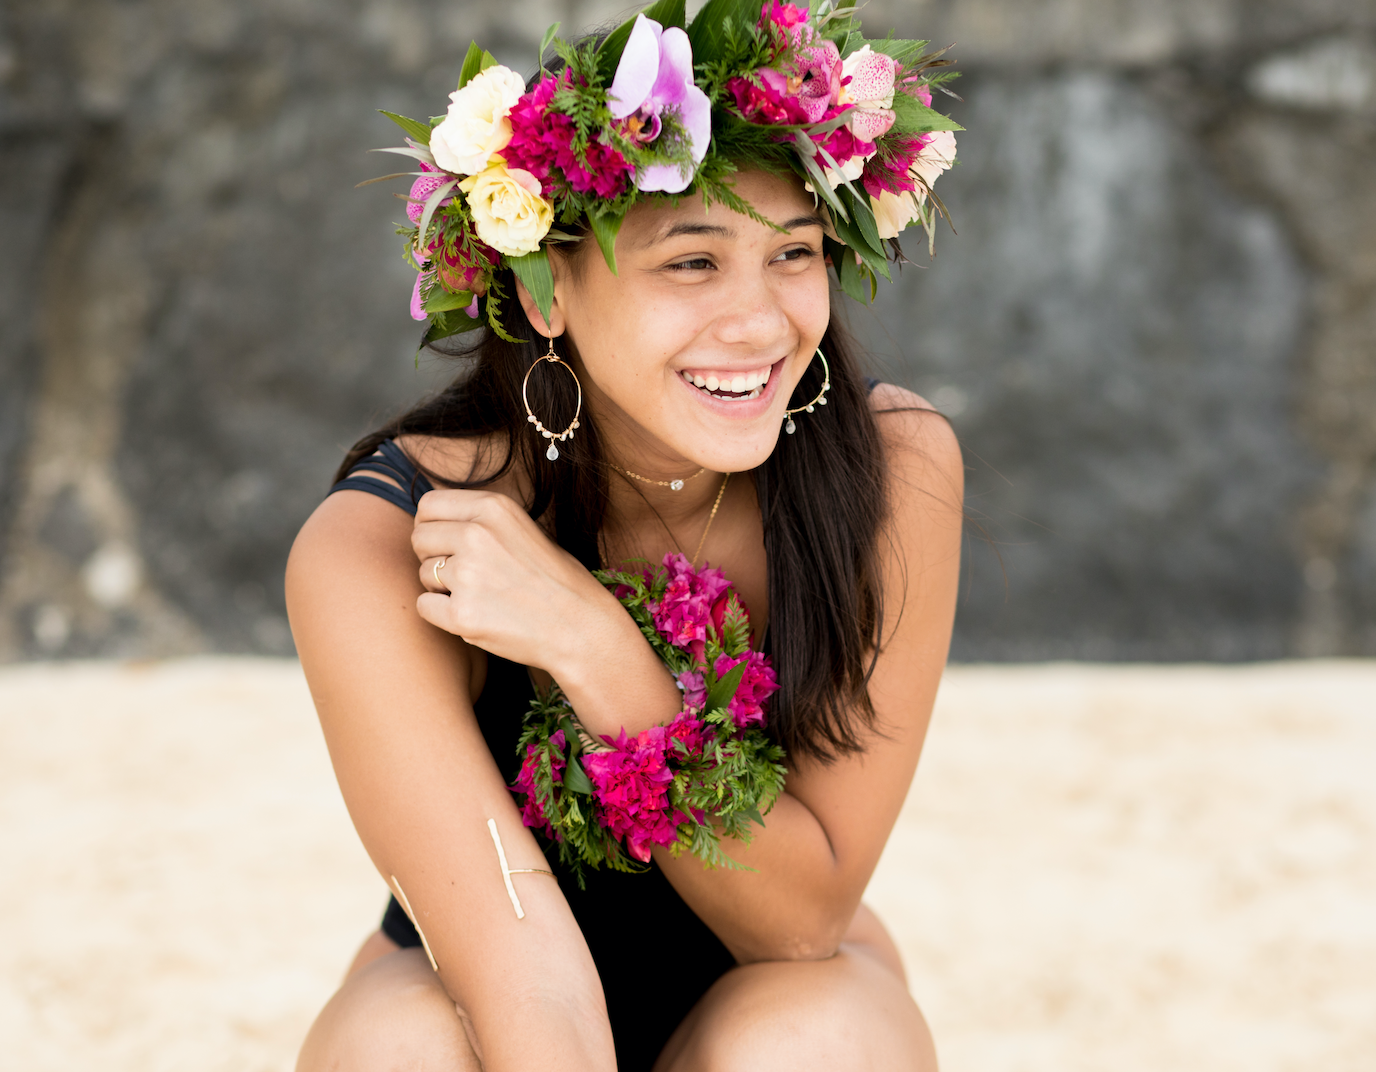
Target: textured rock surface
{"x":1155,"y":327}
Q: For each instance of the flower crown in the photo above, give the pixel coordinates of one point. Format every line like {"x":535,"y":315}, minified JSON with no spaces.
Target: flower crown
{"x":660,"y":108}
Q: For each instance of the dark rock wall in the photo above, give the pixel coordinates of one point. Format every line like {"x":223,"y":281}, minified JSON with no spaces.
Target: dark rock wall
{"x":1155,"y":333}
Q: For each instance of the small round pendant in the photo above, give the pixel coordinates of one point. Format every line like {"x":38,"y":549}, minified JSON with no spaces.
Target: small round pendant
{"x":790,"y":427}
{"x":676,"y":485}
{"x":553,"y":453}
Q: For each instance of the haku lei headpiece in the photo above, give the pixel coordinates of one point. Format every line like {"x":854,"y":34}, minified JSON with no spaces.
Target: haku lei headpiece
{"x":660,"y":108}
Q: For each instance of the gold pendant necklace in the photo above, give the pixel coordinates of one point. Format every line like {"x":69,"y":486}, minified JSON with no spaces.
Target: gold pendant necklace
{"x":710,"y":518}
{"x":672,"y":485}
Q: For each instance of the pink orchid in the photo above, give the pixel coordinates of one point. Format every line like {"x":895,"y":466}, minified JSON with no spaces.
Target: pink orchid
{"x":758,"y":683}
{"x":422,"y":189}
{"x":654,"y":77}
{"x":868,"y":78}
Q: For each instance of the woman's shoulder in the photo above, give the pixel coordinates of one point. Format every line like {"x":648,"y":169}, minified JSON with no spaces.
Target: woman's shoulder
{"x":910,"y":424}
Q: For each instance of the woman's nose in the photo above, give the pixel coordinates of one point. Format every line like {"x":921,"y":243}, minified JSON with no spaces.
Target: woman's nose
{"x":750,"y":314}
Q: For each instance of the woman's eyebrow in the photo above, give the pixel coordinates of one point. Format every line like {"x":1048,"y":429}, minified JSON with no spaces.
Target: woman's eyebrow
{"x":716,"y":230}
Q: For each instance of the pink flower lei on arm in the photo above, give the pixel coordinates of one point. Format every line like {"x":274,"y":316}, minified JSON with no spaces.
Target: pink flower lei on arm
{"x":664,"y":107}
{"x":711,"y":772}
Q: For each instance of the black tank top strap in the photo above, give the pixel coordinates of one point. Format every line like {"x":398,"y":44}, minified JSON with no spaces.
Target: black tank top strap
{"x":388,"y":461}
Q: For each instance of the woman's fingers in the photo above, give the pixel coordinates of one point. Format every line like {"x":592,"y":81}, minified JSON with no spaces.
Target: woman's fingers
{"x":432,"y":574}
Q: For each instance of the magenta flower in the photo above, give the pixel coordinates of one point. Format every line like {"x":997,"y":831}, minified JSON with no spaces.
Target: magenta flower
{"x":654,"y":77}
{"x":631,"y":788}
{"x":758,"y":683}
{"x":890,"y":171}
{"x":422,"y":189}
{"x":531,"y":813}
{"x":683,"y":613}
{"x":542,"y":143}
{"x":694,"y":687}
{"x":688,"y":731}
{"x":770,"y":104}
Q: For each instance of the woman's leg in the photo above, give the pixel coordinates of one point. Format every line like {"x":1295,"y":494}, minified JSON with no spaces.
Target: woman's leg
{"x":851,"y":1012}
{"x":390,"y":1014}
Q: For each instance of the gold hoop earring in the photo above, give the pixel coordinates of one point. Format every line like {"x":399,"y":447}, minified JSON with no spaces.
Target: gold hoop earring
{"x":553,"y":453}
{"x":820,"y":400}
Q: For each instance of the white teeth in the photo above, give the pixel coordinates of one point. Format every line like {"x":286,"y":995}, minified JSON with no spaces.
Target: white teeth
{"x":755,"y":393}
{"x":752,"y":380}
{"x":688,"y":376}
{"x":738,"y":385}
{"x":712,"y":383}
{"x":698,"y":381}
{"x":764,"y":376}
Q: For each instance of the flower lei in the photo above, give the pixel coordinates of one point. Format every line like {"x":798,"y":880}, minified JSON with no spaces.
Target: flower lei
{"x":712,"y":771}
{"x":660,"y":108}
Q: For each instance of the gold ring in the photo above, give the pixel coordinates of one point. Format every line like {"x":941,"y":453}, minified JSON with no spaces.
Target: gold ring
{"x":439,"y":566}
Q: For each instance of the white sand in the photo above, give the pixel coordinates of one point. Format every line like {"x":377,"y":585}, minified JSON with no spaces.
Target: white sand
{"x":1099,"y":868}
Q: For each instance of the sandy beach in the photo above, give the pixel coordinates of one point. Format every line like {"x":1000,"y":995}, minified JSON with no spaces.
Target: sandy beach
{"x":1099,"y":867}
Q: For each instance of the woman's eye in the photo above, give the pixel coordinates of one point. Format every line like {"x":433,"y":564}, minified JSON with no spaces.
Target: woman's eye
{"x":697,"y":264}
{"x":799,"y":253}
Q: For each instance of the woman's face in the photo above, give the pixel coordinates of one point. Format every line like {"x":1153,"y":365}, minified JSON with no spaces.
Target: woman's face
{"x":690,"y":353}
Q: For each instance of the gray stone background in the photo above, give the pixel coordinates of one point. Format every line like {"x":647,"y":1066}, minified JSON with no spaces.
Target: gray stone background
{"x":1155,"y":333}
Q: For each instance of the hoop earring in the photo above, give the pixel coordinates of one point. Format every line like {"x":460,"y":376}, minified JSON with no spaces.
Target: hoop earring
{"x":820,"y":400}
{"x":553,"y":453}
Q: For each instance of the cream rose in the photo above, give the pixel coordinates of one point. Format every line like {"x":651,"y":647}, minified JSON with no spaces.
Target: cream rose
{"x":893,"y":212}
{"x":508,"y":211}
{"x":476,"y":125}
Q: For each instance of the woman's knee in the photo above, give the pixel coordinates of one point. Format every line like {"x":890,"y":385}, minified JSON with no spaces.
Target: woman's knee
{"x":829,"y":1016}
{"x":390,"y":1014}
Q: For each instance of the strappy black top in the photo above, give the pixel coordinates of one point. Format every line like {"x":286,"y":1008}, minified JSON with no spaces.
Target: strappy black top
{"x":626,"y":919}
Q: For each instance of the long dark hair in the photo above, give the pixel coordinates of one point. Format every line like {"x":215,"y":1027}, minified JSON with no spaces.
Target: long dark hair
{"x":821,"y":495}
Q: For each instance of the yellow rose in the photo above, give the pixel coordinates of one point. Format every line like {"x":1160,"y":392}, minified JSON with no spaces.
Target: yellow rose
{"x":508,"y":211}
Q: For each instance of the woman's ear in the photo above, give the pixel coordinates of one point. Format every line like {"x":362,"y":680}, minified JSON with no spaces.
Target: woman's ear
{"x":557,"y":324}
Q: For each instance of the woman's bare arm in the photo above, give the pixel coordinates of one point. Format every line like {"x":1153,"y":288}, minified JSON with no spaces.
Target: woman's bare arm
{"x":516,"y":593}
{"x":394,"y":695}
{"x":823,"y":838}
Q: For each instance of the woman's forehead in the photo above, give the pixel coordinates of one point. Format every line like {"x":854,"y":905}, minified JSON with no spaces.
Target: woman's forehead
{"x":781,"y":199}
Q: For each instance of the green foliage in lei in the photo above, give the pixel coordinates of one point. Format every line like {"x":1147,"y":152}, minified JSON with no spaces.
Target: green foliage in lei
{"x":734,"y":782}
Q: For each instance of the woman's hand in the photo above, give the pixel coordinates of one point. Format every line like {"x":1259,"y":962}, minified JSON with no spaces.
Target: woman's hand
{"x":509,"y":589}
{"x":505,"y":586}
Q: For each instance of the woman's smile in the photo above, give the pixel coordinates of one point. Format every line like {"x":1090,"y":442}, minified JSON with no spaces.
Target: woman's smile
{"x":739,"y":393}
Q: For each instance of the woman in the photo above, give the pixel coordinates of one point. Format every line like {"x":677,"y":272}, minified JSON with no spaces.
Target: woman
{"x":424,"y":620}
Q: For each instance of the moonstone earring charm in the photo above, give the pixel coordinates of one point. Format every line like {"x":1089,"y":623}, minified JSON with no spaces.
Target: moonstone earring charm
{"x":821,"y":400}
{"x":553,"y":452}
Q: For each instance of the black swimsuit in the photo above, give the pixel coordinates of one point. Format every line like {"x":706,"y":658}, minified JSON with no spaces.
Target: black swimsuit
{"x":629,"y":921}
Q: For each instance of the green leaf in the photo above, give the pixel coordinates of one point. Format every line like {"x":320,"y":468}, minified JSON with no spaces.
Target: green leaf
{"x":443,"y":325}
{"x":911,"y":116}
{"x":474,"y":61}
{"x":604,"y":229}
{"x":721,"y":693}
{"x":576,"y":779}
{"x":571,"y":737}
{"x":665,"y":12}
{"x":852,"y":275}
{"x":441,"y":300}
{"x":707,"y":32}
{"x":419,"y":131}
{"x":863,"y":216}
{"x":534,"y":272}
{"x":544,"y":41}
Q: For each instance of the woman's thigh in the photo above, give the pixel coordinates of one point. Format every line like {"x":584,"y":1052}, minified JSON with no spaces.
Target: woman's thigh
{"x":391,"y":1013}
{"x":852,"y":1011}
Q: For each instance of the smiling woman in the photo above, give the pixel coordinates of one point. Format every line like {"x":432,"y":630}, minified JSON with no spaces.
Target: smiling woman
{"x":661,"y":892}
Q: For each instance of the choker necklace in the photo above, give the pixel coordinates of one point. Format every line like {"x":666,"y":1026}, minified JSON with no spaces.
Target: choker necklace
{"x":672,"y":485}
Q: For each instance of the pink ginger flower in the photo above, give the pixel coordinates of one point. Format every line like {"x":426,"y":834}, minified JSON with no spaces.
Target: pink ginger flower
{"x":631,"y":788}
{"x":542,"y":141}
{"x":758,"y":683}
{"x":531,"y":813}
{"x":682,"y":614}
